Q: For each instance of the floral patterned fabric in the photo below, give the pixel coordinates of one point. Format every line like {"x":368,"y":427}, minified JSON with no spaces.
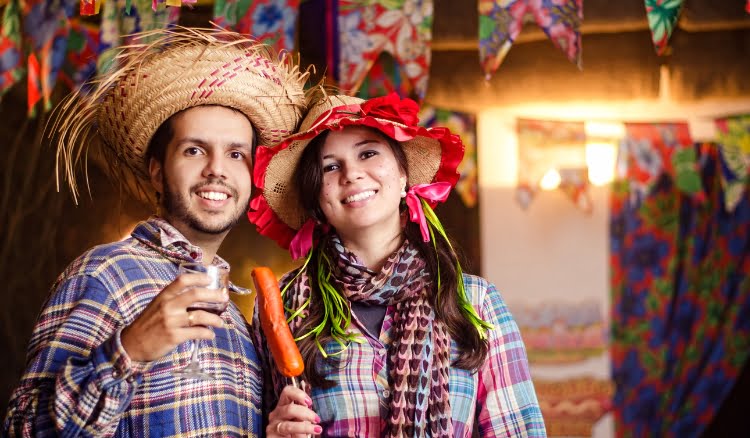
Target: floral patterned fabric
{"x":652,"y":149}
{"x":680,"y":303}
{"x":123,"y":17}
{"x":734,"y":138}
{"x":500,"y":22}
{"x":402,"y":28}
{"x":271,"y":21}
{"x":662,"y":19}
{"x":46,"y":28}
{"x":465,"y":126}
{"x":82,"y":50}
{"x":11,"y":65}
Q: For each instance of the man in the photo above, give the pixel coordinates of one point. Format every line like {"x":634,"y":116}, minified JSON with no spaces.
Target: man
{"x":181,"y":115}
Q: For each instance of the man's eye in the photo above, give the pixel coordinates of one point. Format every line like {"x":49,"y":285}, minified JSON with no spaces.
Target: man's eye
{"x":236,"y":155}
{"x":192,"y":151}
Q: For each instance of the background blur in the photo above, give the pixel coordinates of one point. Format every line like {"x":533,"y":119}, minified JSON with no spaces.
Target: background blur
{"x":606,"y":201}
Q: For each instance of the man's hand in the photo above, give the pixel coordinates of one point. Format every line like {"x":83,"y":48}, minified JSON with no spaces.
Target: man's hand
{"x":166,"y":321}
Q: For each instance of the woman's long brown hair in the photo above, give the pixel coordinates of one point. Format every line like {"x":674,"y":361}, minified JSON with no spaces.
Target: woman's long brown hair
{"x":472,"y":348}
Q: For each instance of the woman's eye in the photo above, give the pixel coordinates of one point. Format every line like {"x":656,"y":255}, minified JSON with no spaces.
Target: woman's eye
{"x":330,"y":167}
{"x":368,"y":154}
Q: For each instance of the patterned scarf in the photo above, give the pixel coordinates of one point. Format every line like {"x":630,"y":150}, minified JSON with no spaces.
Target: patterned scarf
{"x":419,"y":357}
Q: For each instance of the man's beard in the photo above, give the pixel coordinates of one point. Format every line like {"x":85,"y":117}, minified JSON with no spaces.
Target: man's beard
{"x":178,"y":208}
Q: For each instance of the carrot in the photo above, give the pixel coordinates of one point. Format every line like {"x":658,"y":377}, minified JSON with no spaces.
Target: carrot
{"x":273,"y":321}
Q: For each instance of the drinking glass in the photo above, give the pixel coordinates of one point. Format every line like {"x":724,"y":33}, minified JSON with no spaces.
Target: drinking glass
{"x":219,"y":280}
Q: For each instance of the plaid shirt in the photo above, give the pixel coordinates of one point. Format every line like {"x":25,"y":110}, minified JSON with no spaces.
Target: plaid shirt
{"x":79,"y":381}
{"x":500,"y":398}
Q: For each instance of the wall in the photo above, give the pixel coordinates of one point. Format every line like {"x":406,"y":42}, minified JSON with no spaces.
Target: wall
{"x":553,"y":252}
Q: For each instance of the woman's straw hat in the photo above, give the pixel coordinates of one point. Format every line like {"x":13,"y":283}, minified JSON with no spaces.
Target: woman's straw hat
{"x":432,"y":154}
{"x":178,"y":69}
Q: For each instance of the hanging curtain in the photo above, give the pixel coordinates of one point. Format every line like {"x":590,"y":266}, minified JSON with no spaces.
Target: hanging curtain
{"x":681,"y":301}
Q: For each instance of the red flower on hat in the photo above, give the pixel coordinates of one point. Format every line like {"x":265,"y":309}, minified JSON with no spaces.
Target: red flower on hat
{"x":393,"y":108}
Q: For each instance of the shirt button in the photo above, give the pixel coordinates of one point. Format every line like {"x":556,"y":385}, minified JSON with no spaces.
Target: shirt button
{"x":386,"y":393}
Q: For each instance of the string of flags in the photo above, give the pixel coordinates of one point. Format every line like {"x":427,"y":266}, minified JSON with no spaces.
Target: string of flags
{"x":645,"y":153}
{"x":374,"y":44}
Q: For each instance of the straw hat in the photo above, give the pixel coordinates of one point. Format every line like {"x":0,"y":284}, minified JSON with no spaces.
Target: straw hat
{"x":432,"y":154}
{"x":176,"y":70}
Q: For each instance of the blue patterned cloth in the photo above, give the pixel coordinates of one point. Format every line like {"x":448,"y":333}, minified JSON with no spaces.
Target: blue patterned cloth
{"x":79,"y":380}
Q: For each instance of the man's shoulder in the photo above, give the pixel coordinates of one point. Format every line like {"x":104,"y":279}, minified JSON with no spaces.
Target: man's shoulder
{"x":111,"y":255}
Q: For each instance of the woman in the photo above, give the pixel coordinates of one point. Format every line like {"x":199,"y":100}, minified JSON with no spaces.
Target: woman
{"x":396,"y":340}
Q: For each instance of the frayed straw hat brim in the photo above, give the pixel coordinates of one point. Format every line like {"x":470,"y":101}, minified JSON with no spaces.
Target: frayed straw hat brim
{"x":176,"y":71}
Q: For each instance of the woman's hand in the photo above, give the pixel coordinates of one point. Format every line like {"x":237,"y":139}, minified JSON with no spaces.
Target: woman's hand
{"x":293,"y":416}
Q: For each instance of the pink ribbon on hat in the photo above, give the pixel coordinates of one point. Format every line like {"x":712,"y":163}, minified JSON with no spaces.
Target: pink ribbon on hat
{"x":303,"y":240}
{"x":432,"y":193}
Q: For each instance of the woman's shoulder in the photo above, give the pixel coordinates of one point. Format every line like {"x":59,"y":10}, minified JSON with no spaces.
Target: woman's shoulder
{"x":484,"y":296}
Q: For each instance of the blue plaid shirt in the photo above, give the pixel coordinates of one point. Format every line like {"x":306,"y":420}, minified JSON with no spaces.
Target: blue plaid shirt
{"x":499,"y":400}
{"x":80,"y":382}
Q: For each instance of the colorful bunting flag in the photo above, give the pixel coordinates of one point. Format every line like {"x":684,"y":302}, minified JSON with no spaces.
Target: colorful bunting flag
{"x":46,"y":27}
{"x":500,"y":22}
{"x":734,"y":145}
{"x":662,"y":19}
{"x":125,"y":17}
{"x":652,"y":149}
{"x":552,"y":155}
{"x":271,"y":21}
{"x":367,"y":29}
{"x":385,"y":76}
{"x":465,"y":126}
{"x":11,"y":52}
{"x":83,"y":48}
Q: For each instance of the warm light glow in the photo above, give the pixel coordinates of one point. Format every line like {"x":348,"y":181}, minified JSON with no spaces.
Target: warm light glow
{"x":600,"y":160}
{"x":551,"y":180}
{"x":600,"y":129}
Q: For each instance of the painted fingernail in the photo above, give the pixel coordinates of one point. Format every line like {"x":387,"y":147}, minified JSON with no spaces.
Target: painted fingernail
{"x":308,"y":402}
{"x":317,"y":419}
{"x":317,"y":429}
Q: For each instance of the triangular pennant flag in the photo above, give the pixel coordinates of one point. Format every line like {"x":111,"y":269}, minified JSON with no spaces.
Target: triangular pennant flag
{"x":552,"y":155}
{"x":366,"y":29}
{"x":734,"y":145}
{"x":662,"y":19}
{"x":271,"y":21}
{"x":46,"y":26}
{"x":11,"y":53}
{"x":500,"y":22}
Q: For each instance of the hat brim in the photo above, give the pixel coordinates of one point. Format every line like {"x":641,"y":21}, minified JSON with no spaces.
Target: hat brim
{"x":432,"y":155}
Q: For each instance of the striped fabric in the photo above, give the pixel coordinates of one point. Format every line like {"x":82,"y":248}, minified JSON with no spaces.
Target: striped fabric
{"x":500,"y":398}
{"x":80,"y":382}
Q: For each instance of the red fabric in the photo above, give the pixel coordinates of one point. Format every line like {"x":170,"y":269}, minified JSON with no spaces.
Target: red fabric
{"x":385,"y":114}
